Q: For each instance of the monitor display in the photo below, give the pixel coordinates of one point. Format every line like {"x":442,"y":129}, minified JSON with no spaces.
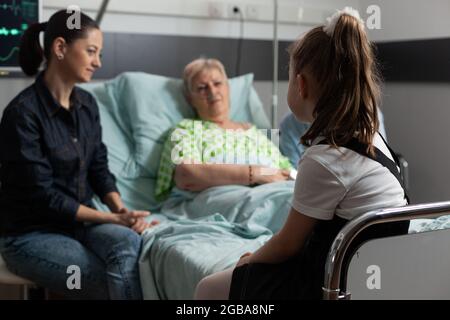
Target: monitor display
{"x":15,"y":17}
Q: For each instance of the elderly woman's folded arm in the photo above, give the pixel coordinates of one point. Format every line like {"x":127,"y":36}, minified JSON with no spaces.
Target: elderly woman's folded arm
{"x":198,"y":177}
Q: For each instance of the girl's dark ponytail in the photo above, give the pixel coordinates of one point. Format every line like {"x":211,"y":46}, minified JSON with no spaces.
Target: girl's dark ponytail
{"x":31,"y":54}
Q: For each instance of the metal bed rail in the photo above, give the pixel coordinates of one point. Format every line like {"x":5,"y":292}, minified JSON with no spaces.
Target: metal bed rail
{"x":333,"y":289}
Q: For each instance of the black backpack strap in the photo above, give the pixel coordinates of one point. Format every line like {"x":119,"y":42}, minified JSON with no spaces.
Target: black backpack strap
{"x":355,"y":145}
{"x":396,"y":159}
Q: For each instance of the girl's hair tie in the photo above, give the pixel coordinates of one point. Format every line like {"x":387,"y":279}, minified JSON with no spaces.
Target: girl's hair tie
{"x":332,"y":21}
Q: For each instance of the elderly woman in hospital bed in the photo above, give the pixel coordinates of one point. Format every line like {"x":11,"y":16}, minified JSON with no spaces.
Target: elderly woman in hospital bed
{"x":213,"y":150}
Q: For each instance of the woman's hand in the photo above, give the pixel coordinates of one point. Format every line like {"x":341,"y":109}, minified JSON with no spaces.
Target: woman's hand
{"x":244,"y":259}
{"x":133,"y":219}
{"x":141,"y":225}
{"x":129,"y":218}
{"x":263,"y":175}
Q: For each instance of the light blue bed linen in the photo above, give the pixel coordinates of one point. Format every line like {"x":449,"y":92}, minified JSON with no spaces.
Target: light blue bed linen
{"x":209,"y":232}
{"x":264,"y":205}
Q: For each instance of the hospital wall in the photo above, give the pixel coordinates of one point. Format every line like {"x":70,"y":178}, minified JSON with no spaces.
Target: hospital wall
{"x":415,"y":112}
{"x":176,"y":18}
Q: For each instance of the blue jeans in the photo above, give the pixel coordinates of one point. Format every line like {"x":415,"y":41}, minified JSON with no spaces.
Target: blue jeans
{"x":106,"y":254}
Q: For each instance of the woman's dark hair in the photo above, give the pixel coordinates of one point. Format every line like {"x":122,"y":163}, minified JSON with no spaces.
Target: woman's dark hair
{"x":31,"y":54}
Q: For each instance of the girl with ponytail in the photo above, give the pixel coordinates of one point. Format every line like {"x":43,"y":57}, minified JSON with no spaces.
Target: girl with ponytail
{"x":347,"y":169}
{"x":52,"y":162}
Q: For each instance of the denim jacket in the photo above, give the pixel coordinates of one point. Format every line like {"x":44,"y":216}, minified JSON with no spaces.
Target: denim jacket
{"x":51,"y":160}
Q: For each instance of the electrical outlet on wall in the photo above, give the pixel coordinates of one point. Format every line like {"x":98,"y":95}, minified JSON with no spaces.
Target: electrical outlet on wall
{"x":235,"y":11}
{"x":216,"y":10}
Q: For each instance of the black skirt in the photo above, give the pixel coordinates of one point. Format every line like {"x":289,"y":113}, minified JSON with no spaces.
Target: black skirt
{"x":302,"y":277}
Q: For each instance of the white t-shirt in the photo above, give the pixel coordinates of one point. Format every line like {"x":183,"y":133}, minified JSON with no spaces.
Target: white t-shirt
{"x":343,"y":182}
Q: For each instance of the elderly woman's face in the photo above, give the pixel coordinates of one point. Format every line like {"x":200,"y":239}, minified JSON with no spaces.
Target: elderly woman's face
{"x":210,"y":95}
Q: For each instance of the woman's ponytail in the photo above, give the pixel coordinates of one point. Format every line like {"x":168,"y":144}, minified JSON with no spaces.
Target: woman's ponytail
{"x":31,"y":54}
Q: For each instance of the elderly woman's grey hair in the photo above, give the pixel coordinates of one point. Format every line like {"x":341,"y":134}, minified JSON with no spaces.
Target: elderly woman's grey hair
{"x":197,"y":66}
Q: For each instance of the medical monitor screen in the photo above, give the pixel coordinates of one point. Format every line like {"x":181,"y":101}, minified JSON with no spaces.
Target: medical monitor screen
{"x":15,"y":17}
